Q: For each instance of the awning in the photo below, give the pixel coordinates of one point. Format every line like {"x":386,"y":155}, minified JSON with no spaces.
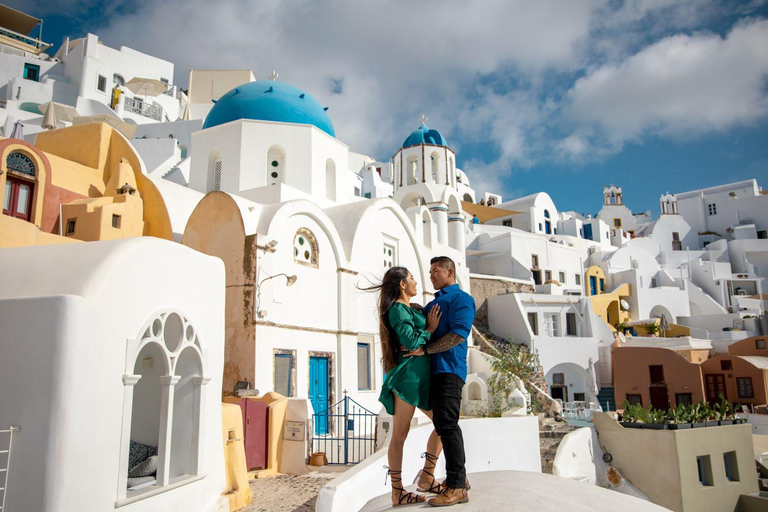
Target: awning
{"x":17,"y":20}
{"x":485,"y":213}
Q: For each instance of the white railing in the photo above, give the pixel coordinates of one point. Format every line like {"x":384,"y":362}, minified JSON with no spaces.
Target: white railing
{"x":143,"y":108}
{"x":4,"y":471}
{"x":580,"y":410}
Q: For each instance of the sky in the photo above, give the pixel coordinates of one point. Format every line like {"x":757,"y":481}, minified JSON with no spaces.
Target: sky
{"x":563,"y":97}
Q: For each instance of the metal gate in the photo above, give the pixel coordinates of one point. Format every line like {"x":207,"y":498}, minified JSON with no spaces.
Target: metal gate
{"x":350,"y":436}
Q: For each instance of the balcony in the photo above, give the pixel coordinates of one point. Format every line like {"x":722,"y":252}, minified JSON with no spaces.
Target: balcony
{"x":22,"y":42}
{"x":139,"y":106}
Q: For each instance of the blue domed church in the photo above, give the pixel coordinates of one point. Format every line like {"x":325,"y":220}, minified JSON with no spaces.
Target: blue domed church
{"x":270,"y":142}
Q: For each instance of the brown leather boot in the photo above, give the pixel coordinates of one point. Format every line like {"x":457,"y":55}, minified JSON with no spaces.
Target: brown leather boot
{"x":450,"y":496}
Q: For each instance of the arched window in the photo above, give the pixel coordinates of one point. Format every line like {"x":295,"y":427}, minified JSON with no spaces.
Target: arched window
{"x":305,"y":248}
{"x":426,"y":222}
{"x":412,"y":169}
{"x":163,"y":405}
{"x":275,"y":165}
{"x":547,"y":223}
{"x":19,"y":186}
{"x":118,"y":80}
{"x":330,"y":179}
{"x":468,"y":198}
{"x":436,"y":164}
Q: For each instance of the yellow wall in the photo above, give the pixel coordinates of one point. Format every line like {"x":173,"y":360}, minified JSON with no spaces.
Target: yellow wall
{"x":94,"y":217}
{"x":596,"y":271}
{"x":101,"y":148}
{"x":76,"y":177}
{"x":238,"y":491}
{"x":605,"y":302}
{"x":20,"y":233}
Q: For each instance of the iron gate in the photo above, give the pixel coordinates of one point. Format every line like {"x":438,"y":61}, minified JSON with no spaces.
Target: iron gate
{"x":350,"y":435}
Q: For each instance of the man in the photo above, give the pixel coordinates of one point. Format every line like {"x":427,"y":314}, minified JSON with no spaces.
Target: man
{"x":448,"y":349}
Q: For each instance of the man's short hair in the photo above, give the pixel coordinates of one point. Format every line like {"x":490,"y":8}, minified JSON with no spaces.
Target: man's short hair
{"x":445,"y":262}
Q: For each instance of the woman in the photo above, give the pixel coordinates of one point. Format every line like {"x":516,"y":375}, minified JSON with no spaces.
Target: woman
{"x":406,"y":385}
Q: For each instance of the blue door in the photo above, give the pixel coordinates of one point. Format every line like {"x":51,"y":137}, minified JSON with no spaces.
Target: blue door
{"x":592,"y":285}
{"x":318,"y":391}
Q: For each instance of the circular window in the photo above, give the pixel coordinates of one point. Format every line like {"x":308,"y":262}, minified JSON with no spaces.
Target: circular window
{"x":275,"y":163}
{"x":274,"y":175}
{"x":301,"y":240}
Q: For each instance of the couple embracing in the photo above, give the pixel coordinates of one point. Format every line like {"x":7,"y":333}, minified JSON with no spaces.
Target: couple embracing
{"x":425,"y":359}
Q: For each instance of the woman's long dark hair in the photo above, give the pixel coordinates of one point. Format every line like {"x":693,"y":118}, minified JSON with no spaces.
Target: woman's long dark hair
{"x":390,"y":292}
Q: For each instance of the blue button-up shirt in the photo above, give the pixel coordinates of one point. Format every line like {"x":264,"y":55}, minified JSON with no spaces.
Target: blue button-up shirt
{"x":458,"y":314}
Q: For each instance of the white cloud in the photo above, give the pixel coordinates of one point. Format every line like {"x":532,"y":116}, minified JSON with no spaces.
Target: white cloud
{"x":490,"y":75}
{"x":682,"y":86}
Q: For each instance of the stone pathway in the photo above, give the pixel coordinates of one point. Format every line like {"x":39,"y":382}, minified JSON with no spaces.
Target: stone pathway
{"x":551,"y":433}
{"x":289,"y":492}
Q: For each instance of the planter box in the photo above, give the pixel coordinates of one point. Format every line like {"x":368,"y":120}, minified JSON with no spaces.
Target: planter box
{"x":630,"y":424}
{"x":679,"y":426}
{"x":725,"y":422}
{"x":711,"y":424}
{"x":698,"y":425}
{"x":655,"y":426}
{"x":739,"y":421}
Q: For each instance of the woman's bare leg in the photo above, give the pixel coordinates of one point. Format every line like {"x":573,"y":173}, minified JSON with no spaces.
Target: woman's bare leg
{"x":401,"y":424}
{"x":434,"y":447}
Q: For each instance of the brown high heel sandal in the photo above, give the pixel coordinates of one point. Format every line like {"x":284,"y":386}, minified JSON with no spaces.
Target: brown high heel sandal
{"x":409,"y":497}
{"x":435,"y":487}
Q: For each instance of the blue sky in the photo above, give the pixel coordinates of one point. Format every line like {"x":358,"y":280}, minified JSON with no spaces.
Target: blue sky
{"x":561,"y":97}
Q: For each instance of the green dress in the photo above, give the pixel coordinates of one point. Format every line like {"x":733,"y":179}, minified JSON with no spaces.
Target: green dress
{"x":410,"y":376}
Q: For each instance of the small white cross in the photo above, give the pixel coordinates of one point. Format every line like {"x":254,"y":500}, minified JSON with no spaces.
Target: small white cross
{"x":423,"y":119}
{"x":273,"y":76}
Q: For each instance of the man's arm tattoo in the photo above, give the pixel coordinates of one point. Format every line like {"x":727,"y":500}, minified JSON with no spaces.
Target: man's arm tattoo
{"x":447,"y":342}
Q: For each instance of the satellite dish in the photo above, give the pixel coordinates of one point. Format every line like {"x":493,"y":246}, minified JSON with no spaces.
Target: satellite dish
{"x":624,"y":305}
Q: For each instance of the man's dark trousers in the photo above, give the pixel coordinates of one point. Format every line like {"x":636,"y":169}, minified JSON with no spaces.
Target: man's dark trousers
{"x":445,"y":399}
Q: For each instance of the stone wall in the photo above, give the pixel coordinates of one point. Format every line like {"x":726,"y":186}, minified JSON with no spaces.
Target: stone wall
{"x":483,"y":288}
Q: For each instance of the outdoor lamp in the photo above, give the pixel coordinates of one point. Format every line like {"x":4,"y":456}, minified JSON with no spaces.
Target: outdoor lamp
{"x":289,"y":281}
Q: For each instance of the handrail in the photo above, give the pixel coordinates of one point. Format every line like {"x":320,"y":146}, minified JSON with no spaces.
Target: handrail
{"x":37,"y":43}
{"x":7,"y":468}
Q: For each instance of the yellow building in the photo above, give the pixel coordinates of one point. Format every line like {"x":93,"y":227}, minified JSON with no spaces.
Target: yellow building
{"x":82,"y":182}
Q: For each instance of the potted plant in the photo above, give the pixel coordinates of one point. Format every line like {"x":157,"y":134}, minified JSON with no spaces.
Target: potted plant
{"x":678,"y":418}
{"x":621,"y":327}
{"x":724,"y":411}
{"x":630,"y":418}
{"x":651,"y":329}
{"x":697,"y":415}
{"x":657,"y":419}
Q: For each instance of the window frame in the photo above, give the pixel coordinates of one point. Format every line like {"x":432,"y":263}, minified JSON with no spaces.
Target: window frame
{"x":570,"y":317}
{"x":290,"y":355}
{"x":28,"y":66}
{"x":535,"y":325}
{"x":561,"y":276}
{"x":635,"y":399}
{"x":101,"y":83}
{"x":712,"y":209}
{"x":745,"y":380}
{"x":368,"y":366}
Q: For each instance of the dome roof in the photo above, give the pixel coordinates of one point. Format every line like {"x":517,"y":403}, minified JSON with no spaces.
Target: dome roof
{"x":423,"y":135}
{"x":266,"y":100}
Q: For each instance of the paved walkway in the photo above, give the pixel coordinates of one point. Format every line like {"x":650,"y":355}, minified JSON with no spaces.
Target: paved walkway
{"x":531,"y":492}
{"x":289,"y":492}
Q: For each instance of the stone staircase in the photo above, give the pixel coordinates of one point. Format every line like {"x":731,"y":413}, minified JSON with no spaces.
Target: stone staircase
{"x":607,"y":398}
{"x":551,"y":433}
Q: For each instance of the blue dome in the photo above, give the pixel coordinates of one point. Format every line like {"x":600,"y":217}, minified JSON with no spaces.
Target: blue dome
{"x":265,"y":100}
{"x":423,"y":135}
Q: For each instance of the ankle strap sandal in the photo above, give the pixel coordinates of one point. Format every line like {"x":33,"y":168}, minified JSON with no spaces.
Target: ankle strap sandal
{"x":435,"y":487}
{"x":410,"y":498}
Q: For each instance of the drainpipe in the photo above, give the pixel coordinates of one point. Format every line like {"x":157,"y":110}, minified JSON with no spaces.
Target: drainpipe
{"x":60,"y":221}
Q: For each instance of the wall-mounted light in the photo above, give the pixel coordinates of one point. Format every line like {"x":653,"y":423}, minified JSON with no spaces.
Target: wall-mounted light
{"x":268,"y":247}
{"x":289,"y":281}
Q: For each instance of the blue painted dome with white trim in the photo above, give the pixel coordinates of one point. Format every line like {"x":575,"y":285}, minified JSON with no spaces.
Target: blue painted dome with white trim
{"x":266,"y":100}
{"x":423,"y":135}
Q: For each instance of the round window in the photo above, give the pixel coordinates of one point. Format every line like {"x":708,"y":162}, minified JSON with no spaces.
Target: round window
{"x":274,"y":175}
{"x":275,"y":163}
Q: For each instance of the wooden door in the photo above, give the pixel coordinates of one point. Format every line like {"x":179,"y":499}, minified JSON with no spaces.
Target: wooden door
{"x":17,"y":201}
{"x":255,"y":433}
{"x":715,"y":383}
{"x":318,"y":392}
